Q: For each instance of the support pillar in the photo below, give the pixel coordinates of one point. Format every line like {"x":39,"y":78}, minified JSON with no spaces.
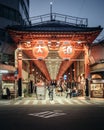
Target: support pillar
{"x":75,"y":71}
{"x":71,"y":73}
{"x":31,"y":79}
{"x":35,"y":74}
{"x":87,"y":72}
{"x":31,"y":86}
{"x":19,"y":73}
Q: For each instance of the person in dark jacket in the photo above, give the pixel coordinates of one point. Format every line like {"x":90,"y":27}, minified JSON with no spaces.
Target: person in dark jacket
{"x":8,"y":93}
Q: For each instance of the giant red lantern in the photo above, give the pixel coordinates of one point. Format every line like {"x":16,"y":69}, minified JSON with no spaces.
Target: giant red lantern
{"x":66,"y":51}
{"x":40,"y":50}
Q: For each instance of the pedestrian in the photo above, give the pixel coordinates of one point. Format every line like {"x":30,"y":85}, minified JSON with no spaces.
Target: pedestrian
{"x":8,"y":93}
{"x":68,"y":84}
{"x":4,"y":94}
{"x":68,"y":92}
{"x":50,"y":89}
{"x":73,"y":84}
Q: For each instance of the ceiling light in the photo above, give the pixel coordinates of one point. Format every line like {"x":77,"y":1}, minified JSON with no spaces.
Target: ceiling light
{"x":49,"y":42}
{"x":79,"y":42}
{"x":58,"y":42}
{"x":28,"y":42}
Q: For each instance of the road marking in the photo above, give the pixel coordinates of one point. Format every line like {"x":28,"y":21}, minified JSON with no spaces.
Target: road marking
{"x":60,"y":101}
{"x":17,"y":103}
{"x":96,"y":102}
{"x":43,"y":102}
{"x":78,"y":102}
{"x":47,"y":114}
{"x":55,"y":114}
{"x":52,"y":102}
{"x":68,"y":101}
{"x":84,"y":101}
{"x":47,"y":101}
{"x":35,"y":102}
{"x":26,"y":102}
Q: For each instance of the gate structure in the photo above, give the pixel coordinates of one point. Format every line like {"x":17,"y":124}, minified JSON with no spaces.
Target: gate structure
{"x":57,"y":38}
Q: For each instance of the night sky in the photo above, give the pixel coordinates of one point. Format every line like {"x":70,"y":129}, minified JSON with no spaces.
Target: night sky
{"x":91,"y":9}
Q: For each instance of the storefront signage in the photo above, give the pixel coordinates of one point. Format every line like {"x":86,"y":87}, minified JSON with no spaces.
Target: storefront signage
{"x":8,"y":77}
{"x":40,"y":90}
{"x":98,"y":81}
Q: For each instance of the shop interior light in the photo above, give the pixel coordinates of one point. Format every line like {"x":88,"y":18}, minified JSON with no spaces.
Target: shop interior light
{"x":79,"y":42}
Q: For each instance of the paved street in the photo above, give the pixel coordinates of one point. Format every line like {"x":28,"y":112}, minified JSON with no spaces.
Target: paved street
{"x":52,"y":117}
{"x":61,"y":113}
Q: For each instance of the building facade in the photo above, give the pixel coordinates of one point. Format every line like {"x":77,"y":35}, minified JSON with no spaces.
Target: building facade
{"x":97,"y":69}
{"x":11,"y":13}
{"x":75,"y":41}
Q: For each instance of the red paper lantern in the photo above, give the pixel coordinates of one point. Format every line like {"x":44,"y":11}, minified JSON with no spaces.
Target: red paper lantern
{"x":66,"y":51}
{"x":40,"y":51}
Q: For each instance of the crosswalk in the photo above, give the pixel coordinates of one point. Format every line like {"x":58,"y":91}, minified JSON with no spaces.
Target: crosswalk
{"x":54,"y":102}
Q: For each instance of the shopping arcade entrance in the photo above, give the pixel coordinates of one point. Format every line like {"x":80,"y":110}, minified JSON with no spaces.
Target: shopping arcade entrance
{"x":60,"y":41}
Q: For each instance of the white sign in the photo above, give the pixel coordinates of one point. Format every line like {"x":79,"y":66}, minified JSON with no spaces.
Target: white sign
{"x":40,"y":90}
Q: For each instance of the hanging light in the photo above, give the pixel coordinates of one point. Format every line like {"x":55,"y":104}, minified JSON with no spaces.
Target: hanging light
{"x":66,"y":51}
{"x":40,"y":50}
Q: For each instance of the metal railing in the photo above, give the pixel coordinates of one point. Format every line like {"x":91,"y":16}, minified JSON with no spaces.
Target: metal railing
{"x":59,"y":17}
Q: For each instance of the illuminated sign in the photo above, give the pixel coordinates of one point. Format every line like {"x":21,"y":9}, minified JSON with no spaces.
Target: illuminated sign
{"x":66,"y":51}
{"x":65,"y":77}
{"x":40,"y":51}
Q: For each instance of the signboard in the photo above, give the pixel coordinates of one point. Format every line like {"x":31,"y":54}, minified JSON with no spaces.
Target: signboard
{"x":40,"y":90}
{"x":65,"y":77}
{"x":8,"y":77}
{"x":98,"y":81}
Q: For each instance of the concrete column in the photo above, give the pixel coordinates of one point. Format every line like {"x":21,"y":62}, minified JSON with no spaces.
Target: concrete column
{"x":20,"y":73}
{"x":31,"y":78}
{"x":75,"y":71}
{"x":71,"y":73}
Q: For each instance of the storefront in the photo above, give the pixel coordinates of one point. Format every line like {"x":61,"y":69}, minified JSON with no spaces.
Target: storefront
{"x":8,"y":81}
{"x":97,"y":88}
{"x":7,"y":78}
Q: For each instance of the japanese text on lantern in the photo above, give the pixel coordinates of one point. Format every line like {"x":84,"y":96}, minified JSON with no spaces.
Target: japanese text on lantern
{"x":40,"y":51}
{"x":66,"y":51}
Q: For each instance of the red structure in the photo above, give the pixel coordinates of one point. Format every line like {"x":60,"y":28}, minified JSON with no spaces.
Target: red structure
{"x":68,"y":39}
